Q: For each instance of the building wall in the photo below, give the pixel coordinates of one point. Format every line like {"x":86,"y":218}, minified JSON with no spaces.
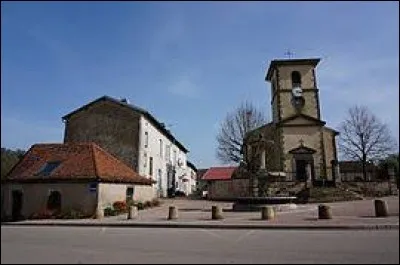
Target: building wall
{"x":312,"y":139}
{"x":329,"y":141}
{"x":228,"y":189}
{"x":112,"y":192}
{"x":160,"y":159}
{"x":112,"y":127}
{"x":35,"y":195}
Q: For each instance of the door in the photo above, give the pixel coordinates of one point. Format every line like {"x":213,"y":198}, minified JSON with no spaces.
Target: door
{"x":17,"y":199}
{"x":301,"y":169}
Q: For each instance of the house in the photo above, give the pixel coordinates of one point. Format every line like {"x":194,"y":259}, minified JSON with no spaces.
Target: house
{"x":134,"y":136}
{"x":78,"y":176}
{"x":190,"y":180}
{"x":221,"y":183}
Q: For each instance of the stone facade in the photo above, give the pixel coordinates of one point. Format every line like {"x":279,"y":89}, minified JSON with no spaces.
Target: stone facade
{"x":133,"y":136}
{"x":114,"y":128}
{"x":297,"y":137}
{"x":75,"y":196}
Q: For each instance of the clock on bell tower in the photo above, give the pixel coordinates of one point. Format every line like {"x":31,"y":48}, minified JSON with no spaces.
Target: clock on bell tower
{"x":293,"y":88}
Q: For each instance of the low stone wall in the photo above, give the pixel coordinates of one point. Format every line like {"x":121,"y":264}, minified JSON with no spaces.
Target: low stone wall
{"x":371,"y":188}
{"x":227,"y":189}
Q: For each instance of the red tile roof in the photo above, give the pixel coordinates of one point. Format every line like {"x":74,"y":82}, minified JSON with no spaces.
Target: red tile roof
{"x":219,"y":173}
{"x":79,"y":161}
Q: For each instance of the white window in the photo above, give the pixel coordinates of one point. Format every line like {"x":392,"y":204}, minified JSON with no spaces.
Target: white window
{"x":166,"y":152}
{"x":146,"y":139}
{"x":174,"y":158}
{"x":161,"y":148}
{"x":145,"y":160}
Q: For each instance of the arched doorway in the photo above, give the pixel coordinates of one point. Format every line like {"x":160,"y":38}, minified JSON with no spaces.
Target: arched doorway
{"x":302,"y":158}
{"x":17,"y":203}
{"x":54,"y":201}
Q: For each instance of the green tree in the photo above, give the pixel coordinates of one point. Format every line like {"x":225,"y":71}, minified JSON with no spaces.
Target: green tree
{"x":9,"y":158}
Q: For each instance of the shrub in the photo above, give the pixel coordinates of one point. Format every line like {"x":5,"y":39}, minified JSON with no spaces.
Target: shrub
{"x":140,"y":205}
{"x":72,"y":214}
{"x":44,"y":214}
{"x":120,"y":207}
{"x":108,"y":211}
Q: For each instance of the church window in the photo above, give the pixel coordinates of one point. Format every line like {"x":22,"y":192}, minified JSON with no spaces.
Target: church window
{"x":296,"y":79}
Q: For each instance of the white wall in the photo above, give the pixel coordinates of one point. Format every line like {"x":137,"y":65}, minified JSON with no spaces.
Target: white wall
{"x":159,"y":160}
{"x":112,"y":192}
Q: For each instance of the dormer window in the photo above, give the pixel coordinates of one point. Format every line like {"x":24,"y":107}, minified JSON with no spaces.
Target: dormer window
{"x":49,"y":167}
{"x":296,"y":79}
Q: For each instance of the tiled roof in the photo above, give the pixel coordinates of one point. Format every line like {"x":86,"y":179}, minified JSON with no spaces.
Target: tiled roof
{"x":79,"y":161}
{"x":219,"y":173}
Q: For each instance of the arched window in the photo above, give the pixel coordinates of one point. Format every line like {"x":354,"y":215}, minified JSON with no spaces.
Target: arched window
{"x":296,"y":79}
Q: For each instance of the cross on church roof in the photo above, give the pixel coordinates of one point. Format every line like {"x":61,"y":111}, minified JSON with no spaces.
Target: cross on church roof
{"x":301,"y":141}
{"x":289,"y":54}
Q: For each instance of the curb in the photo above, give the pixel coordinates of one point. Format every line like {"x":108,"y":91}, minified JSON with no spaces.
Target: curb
{"x":214,"y":226}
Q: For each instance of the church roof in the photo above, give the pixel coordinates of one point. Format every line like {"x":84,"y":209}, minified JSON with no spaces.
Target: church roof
{"x":275,"y":63}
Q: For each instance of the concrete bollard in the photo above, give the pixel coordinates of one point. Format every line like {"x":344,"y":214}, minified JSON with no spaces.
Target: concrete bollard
{"x":324,"y":212}
{"x":381,"y":208}
{"x":267,"y":213}
{"x":132,"y":212}
{"x":216,"y":212}
{"x":172,"y":213}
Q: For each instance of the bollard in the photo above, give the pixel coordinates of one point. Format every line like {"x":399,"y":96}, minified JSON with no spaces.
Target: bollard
{"x":267,"y":213}
{"x":324,"y":212}
{"x":381,"y":208}
{"x":132,"y":212}
{"x":216,"y":212}
{"x":172,"y":213}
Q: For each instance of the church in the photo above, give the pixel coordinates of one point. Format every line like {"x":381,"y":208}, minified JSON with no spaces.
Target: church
{"x":296,"y":144}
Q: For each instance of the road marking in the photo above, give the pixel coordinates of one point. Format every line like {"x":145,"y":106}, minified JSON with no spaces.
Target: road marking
{"x":244,"y":235}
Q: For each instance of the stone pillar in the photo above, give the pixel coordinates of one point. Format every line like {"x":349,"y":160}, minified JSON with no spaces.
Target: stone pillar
{"x":392,"y":181}
{"x":267,"y":213}
{"x":262,"y":160}
{"x":172,"y":213}
{"x":132,"y":212}
{"x":381,"y":208}
{"x":216,"y":212}
{"x":308,"y":175}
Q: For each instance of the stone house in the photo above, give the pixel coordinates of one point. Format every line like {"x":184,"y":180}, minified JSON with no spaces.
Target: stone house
{"x":134,"y":136}
{"x":77,"y":176}
{"x":224,"y":183}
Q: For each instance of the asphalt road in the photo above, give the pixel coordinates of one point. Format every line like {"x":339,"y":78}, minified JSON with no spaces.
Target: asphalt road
{"x":52,"y":245}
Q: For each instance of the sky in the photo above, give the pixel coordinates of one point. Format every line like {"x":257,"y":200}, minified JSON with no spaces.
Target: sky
{"x":189,"y":63}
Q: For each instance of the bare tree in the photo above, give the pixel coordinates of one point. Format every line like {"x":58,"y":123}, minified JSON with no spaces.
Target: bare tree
{"x":233,"y":130}
{"x":364,"y":137}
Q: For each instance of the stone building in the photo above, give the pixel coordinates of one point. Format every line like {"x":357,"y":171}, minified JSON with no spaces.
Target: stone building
{"x":296,"y":142}
{"x":134,"y":136}
{"x":74,"y":176}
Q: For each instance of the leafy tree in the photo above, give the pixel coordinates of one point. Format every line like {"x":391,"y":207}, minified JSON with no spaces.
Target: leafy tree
{"x":9,"y":158}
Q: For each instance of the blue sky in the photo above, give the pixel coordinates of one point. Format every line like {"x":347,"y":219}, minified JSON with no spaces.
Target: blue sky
{"x":189,"y":63}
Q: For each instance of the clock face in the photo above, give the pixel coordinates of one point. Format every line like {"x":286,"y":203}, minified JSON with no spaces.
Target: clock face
{"x":297,"y":92}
